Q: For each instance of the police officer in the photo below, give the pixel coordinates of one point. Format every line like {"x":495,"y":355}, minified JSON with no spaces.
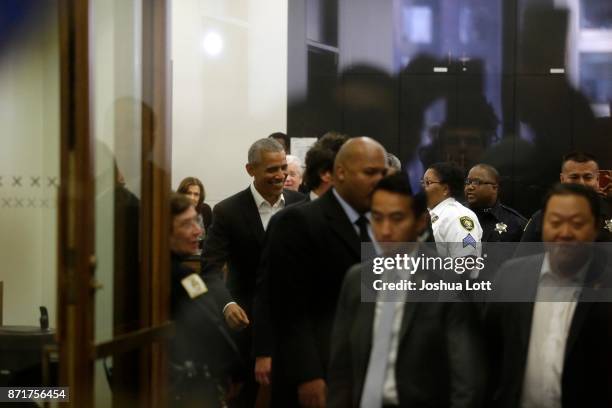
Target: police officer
{"x":499,"y":222}
{"x":456,"y":229}
{"x":576,"y":168}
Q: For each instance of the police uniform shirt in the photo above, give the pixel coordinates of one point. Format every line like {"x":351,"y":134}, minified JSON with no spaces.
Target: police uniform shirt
{"x":456,"y":229}
{"x":533,"y":230}
{"x":500,"y":223}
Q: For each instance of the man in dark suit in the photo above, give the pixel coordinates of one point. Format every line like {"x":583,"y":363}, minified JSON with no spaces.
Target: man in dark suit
{"x":576,"y":168}
{"x":311,"y":248}
{"x":427,"y":353}
{"x":554,"y":352}
{"x":499,"y":222}
{"x":236,"y":239}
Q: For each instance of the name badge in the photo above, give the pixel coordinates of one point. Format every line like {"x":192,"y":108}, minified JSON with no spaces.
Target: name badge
{"x":194,"y":285}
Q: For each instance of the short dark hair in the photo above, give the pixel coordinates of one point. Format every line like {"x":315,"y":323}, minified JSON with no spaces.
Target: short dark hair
{"x":179,"y":203}
{"x":489,"y":169}
{"x":283,"y":136}
{"x":320,"y":157}
{"x":451,"y":175}
{"x":578,"y":157}
{"x":399,"y":183}
{"x":332,"y":140}
{"x":318,"y":160}
{"x":577,"y":190}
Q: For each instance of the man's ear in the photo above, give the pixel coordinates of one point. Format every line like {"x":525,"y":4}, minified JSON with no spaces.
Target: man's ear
{"x":250,"y":168}
{"x":561,"y":177}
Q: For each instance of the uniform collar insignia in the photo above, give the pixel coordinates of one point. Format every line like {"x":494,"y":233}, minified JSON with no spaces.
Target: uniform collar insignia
{"x":501,"y":227}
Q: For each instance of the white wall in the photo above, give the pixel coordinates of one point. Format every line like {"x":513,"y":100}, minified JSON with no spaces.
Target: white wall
{"x":29,"y":149}
{"x":223,"y":103}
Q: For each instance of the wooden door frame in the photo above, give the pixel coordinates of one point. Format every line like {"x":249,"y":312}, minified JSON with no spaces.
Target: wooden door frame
{"x":76,"y":204}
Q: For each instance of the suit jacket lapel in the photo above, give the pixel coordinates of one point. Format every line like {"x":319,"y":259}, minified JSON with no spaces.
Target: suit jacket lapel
{"x":592,"y":280}
{"x":525,"y":309}
{"x":340,"y":223}
{"x":251,"y":215}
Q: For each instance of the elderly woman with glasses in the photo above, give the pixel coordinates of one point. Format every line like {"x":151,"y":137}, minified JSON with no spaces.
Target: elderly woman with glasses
{"x":456,"y":229}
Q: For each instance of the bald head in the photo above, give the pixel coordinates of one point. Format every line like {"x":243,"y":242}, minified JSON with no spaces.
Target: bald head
{"x":356,"y":148}
{"x":360,"y":163}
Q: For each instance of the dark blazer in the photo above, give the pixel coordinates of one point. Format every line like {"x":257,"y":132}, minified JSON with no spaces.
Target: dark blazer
{"x":311,"y":248}
{"x":587,"y":371}
{"x":440,"y":361}
{"x":236,"y":237}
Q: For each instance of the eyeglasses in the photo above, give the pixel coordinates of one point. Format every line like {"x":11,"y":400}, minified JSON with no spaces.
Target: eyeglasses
{"x":427,"y":183}
{"x":477,"y":182}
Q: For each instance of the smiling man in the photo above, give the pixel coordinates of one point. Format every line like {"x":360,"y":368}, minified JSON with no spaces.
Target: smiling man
{"x":236,"y":237}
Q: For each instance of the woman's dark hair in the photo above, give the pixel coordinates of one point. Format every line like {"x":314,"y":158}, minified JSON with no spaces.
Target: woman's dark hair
{"x":192,"y":181}
{"x":451,"y":175}
{"x":577,"y":190}
{"x":400,"y":184}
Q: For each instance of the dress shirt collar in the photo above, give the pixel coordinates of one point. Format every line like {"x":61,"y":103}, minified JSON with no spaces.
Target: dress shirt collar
{"x":350,"y":212}
{"x":260,"y":201}
{"x":442,"y":204}
{"x":313,"y":196}
{"x":578,"y":278}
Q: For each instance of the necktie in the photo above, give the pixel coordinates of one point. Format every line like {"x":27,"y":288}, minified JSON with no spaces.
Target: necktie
{"x":372,"y":395}
{"x":362,"y":222}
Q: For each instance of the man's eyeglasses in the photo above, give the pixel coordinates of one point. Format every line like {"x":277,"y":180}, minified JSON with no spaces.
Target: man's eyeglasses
{"x":477,"y":182}
{"x":427,"y":183}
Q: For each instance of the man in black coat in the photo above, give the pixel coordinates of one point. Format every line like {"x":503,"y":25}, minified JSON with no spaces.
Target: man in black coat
{"x":311,"y":248}
{"x":203,"y":355}
{"x":236,"y":238}
{"x":576,"y":168}
{"x":499,"y":222}
{"x":431,"y":352}
{"x":554,"y":351}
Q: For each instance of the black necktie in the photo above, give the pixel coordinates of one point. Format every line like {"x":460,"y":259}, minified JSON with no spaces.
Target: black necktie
{"x":362,"y":222}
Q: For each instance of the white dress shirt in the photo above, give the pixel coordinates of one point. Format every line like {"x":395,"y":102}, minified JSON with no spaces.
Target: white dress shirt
{"x":550,"y":327}
{"x":390,"y":395}
{"x":266,"y":210}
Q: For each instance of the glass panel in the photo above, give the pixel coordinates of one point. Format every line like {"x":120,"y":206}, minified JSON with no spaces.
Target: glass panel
{"x":117,"y":110}
{"x":596,"y":76}
{"x":29,"y":181}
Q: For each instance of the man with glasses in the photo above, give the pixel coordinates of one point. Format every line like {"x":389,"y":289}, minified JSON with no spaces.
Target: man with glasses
{"x":499,"y":223}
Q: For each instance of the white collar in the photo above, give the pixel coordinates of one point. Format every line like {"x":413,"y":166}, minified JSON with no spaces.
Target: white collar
{"x":260,"y":201}
{"x":313,"y":196}
{"x":443,"y":204}
{"x":350,"y":212}
{"x":577,"y":278}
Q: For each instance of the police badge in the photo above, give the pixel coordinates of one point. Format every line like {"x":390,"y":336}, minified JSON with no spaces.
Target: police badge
{"x":467,"y":223}
{"x":501,"y":227}
{"x":608,"y":225}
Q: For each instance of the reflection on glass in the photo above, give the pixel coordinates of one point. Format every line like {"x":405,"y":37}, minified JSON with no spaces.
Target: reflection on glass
{"x":596,"y":14}
{"x":596,"y":76}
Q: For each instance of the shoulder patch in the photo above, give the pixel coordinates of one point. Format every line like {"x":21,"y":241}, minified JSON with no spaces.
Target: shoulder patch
{"x":467,"y":223}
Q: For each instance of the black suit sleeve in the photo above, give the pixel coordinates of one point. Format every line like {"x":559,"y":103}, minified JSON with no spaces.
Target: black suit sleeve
{"x":340,"y":374}
{"x":291,"y":269}
{"x":215,"y":254}
{"x":466,"y":360}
